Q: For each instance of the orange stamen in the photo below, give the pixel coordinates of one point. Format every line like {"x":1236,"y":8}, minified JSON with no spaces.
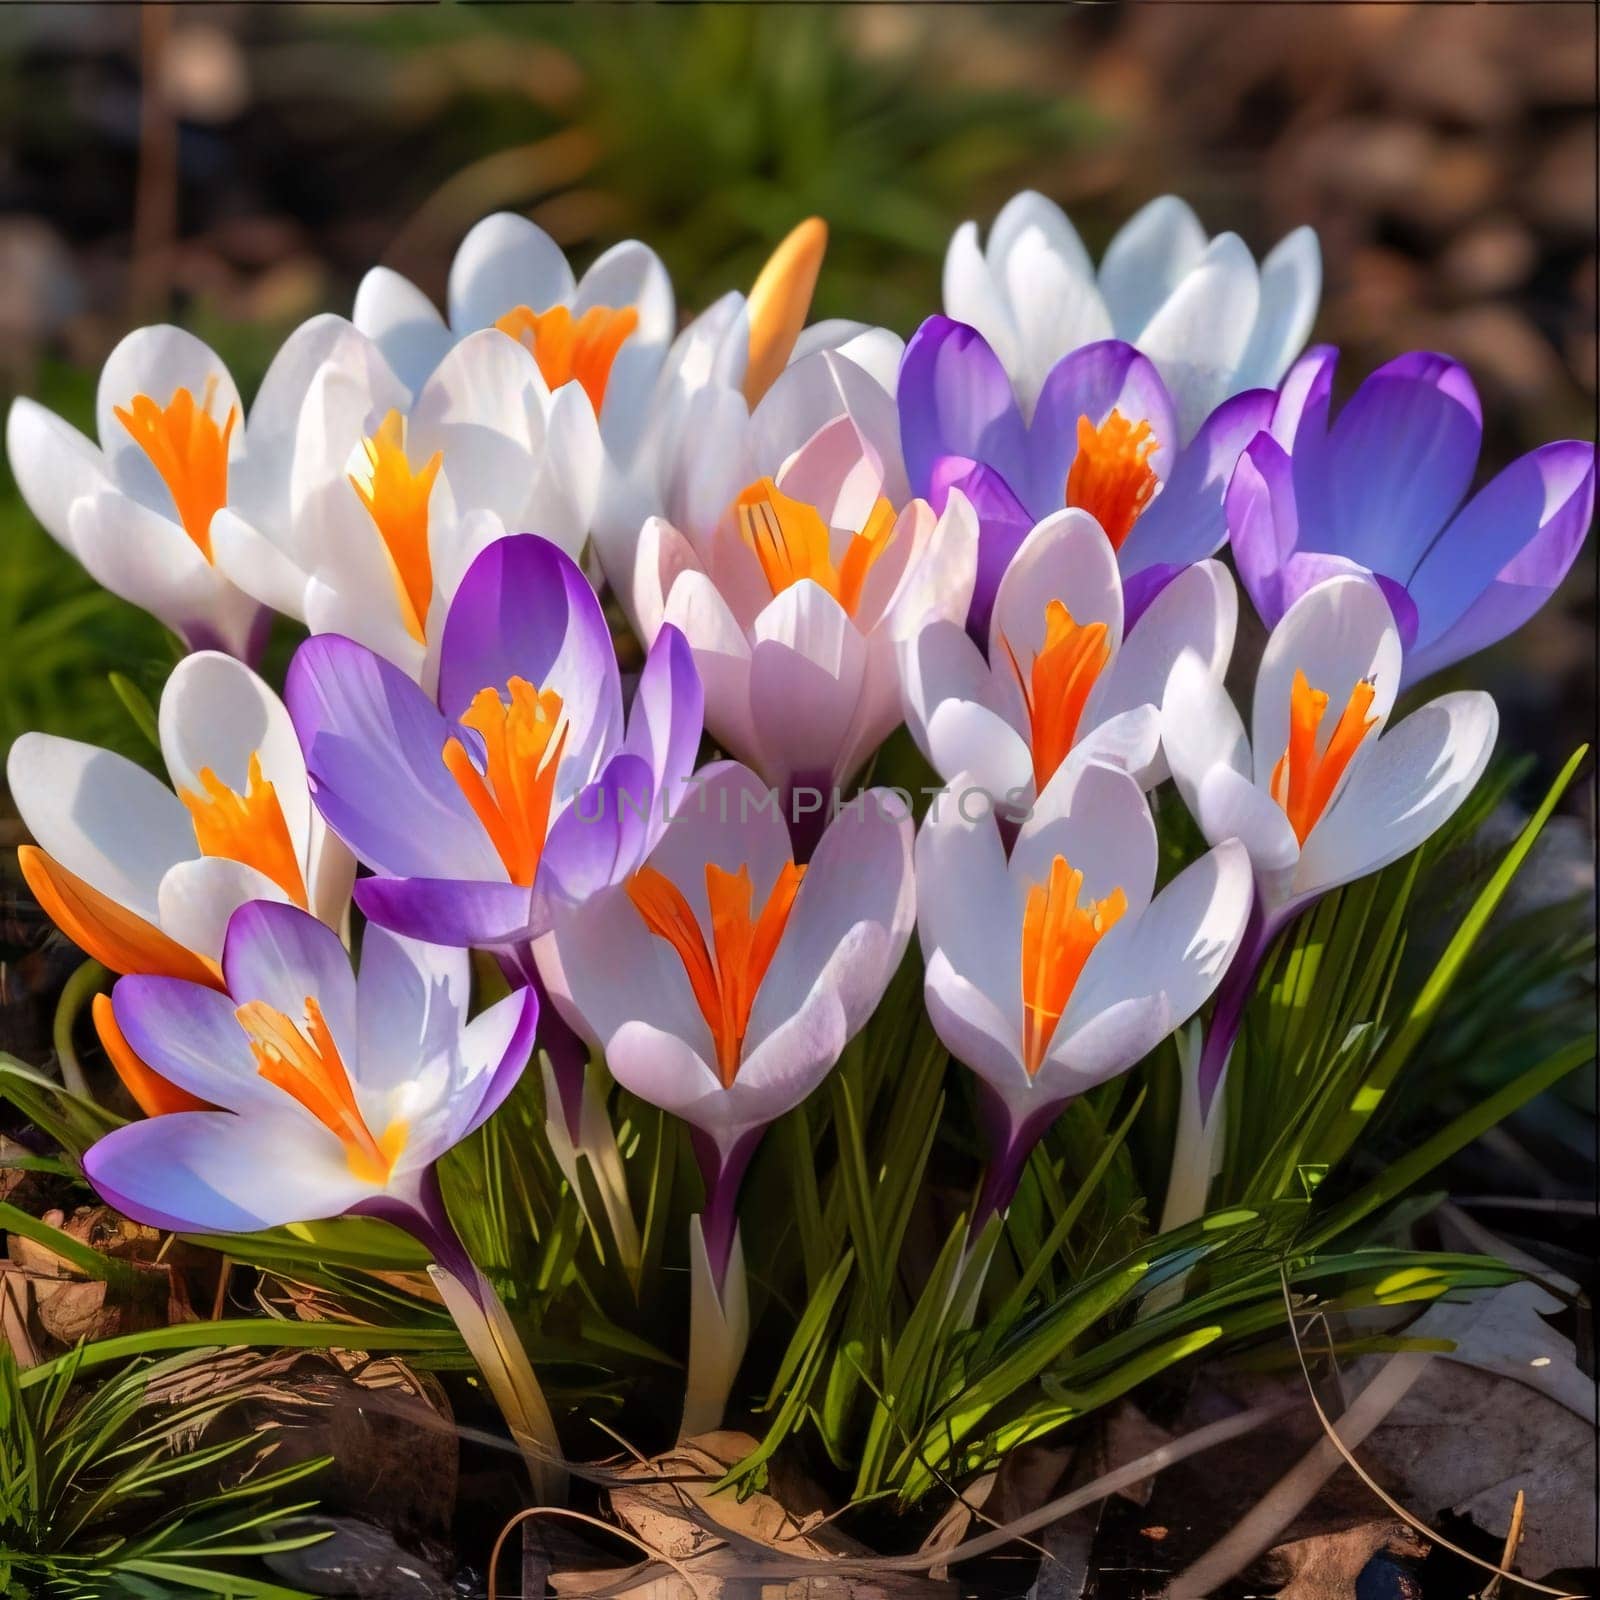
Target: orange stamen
{"x":511,"y":795}
{"x":792,"y":542}
{"x":305,"y":1063}
{"x":724,"y":985}
{"x":1057,"y":687}
{"x":572,"y":349}
{"x":1058,"y":937}
{"x":1304,"y":779}
{"x":1111,"y":477}
{"x":190,"y":451}
{"x":99,"y":926}
{"x":249,"y":828}
{"x":396,"y":499}
{"x":154,"y":1095}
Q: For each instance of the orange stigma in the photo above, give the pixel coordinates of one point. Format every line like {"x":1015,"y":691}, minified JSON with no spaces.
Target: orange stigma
{"x":305,"y":1063}
{"x":511,"y":795}
{"x":792,"y":542}
{"x":1304,"y":779}
{"x":1056,"y":689}
{"x":1111,"y":477}
{"x":572,"y":349}
{"x":724,"y":983}
{"x":1058,"y":937}
{"x":396,"y":499}
{"x":189,"y":449}
{"x":249,"y":828}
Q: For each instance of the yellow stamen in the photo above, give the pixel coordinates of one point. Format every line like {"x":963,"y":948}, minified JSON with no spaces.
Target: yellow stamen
{"x":572,"y":349}
{"x":99,"y":926}
{"x":396,"y":499}
{"x":1303,"y":781}
{"x":1057,"y":686}
{"x":1058,"y":937}
{"x":304,"y":1062}
{"x":792,"y":542}
{"x":724,"y":984}
{"x":190,"y":451}
{"x":1111,"y":477}
{"x":511,"y":795}
{"x":153,"y":1094}
{"x":249,"y":828}
{"x":779,"y":301}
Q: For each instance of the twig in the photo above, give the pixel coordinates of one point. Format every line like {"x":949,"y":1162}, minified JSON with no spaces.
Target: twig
{"x":1513,"y":1539}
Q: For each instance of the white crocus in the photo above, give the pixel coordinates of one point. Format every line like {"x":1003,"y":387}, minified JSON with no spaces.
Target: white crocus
{"x":144,"y":878}
{"x":1213,"y":322}
{"x":1060,"y":684}
{"x":1056,"y":967}
{"x":386,"y":497}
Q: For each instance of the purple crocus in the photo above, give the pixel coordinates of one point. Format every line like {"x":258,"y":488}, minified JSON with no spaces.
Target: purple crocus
{"x":1103,"y":436}
{"x":520,"y":786}
{"x":1381,"y":491}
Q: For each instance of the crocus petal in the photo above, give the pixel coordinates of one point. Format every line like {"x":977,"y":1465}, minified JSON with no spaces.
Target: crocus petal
{"x":1503,"y":556}
{"x":198,"y":897}
{"x":939,"y":663}
{"x":504,"y":262}
{"x":1186,"y":521}
{"x":280,"y":954}
{"x":956,"y":400}
{"x":1413,"y":780}
{"x":189,"y":1033}
{"x":974,"y":1029}
{"x":1147,"y":259}
{"x":605,"y":833}
{"x":1291,"y":285}
{"x":967,"y":736}
{"x":1108,"y":1041}
{"x":261,"y":568}
{"x":411,"y":1003}
{"x":1227,"y":805}
{"x":973,"y":296}
{"x":151,"y":1092}
{"x":373,"y":744}
{"x":214,"y":1172}
{"x":451,"y":911}
{"x":402,"y":321}
{"x":1003,"y":523}
{"x":1337,"y":634}
{"x":1400,"y":457}
{"x":1263,"y":524}
{"x":664,"y":724}
{"x":1067,"y":557}
{"x":1200,"y":729}
{"x":495,"y":1048}
{"x":53,"y":464}
{"x":1300,"y":417}
{"x":721,"y":659}
{"x":1056,"y":303}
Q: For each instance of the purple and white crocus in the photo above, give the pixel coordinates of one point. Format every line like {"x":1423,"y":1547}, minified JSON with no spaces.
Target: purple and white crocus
{"x":519,"y":787}
{"x":1314,"y":793}
{"x":723,"y":981}
{"x":1383,"y":489}
{"x":327,"y":1094}
{"x":1104,"y":436}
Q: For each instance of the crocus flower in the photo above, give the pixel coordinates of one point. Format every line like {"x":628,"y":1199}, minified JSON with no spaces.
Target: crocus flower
{"x":384,"y":497}
{"x":1104,"y":437}
{"x":323,"y":1094}
{"x":691,"y":457}
{"x":793,"y":588}
{"x":144,"y":879}
{"x":1060,"y":684}
{"x":603,"y":335}
{"x":1381,"y":491}
{"x":516,"y":787}
{"x":722,"y":981}
{"x":1317,"y":797}
{"x":1054,"y":969}
{"x":174,"y":446}
{"x":1199,"y":308}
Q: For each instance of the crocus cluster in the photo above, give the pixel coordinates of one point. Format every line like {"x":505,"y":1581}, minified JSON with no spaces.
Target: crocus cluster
{"x":1009,"y":534}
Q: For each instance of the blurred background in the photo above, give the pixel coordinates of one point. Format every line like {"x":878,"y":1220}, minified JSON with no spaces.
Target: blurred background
{"x":237,"y":167}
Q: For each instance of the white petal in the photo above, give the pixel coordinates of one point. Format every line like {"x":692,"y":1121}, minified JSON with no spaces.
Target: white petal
{"x":967,"y":736}
{"x":411,"y":1004}
{"x":54,"y":465}
{"x":1067,"y":557}
{"x":1228,"y":805}
{"x":939,"y":579}
{"x":505,"y":262}
{"x":1200,"y":729}
{"x":973,"y":295}
{"x":100,"y":816}
{"x":197,"y":897}
{"x":721,"y":657}
{"x":254,"y":564}
{"x":1057,"y":307}
{"x":1030,"y":214}
{"x":404,"y":324}
{"x":1408,"y":786}
{"x":938,"y":663}
{"x":1337,"y":634}
{"x":1147,"y":259}
{"x":974,"y":1029}
{"x":1291,"y":285}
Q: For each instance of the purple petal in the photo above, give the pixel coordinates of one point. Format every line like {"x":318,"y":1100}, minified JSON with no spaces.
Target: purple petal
{"x":1400,"y":458}
{"x":515,"y":1057}
{"x":604,"y":834}
{"x":283,"y":955}
{"x":373,"y":744}
{"x":1186,"y":521}
{"x":190,"y":1035}
{"x":1503,"y":556}
{"x":524,"y":609}
{"x":1003,"y":523}
{"x":667,"y":719}
{"x":450,"y":911}
{"x":1300,"y":416}
{"x":1091,"y":382}
{"x":1263,"y":524}
{"x":1140,"y":588}
{"x":956,"y":400}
